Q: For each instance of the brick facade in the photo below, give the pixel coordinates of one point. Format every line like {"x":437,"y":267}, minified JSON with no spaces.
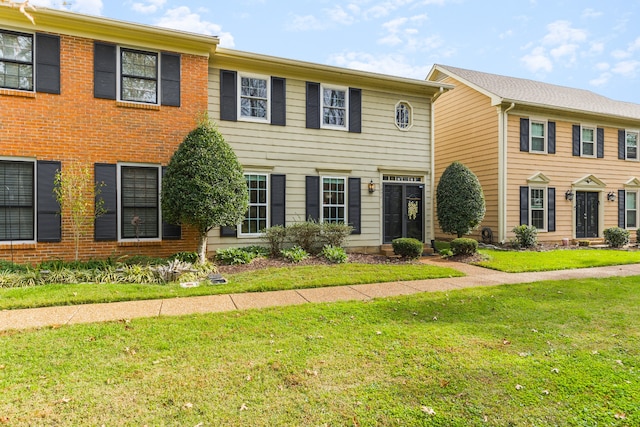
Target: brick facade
{"x":74,"y":127}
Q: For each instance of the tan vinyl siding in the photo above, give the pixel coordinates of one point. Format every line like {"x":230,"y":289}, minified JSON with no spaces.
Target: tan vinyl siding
{"x":466,"y":130}
{"x":297,"y":152}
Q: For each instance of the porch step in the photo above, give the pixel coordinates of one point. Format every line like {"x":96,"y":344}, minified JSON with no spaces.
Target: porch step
{"x":592,"y":241}
{"x":387,"y":250}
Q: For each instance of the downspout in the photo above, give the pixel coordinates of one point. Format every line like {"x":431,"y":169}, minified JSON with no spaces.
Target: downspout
{"x":432,"y":178}
{"x":502,"y":173}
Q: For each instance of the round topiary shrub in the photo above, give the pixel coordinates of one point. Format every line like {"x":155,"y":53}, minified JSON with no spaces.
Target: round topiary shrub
{"x":407,"y":247}
{"x":464,"y":246}
{"x":616,"y":237}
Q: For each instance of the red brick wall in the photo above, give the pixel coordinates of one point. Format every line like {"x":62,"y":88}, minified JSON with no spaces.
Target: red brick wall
{"x":75,"y":127}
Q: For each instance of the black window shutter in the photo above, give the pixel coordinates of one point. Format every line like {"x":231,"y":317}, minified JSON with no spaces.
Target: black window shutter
{"x":47,"y":63}
{"x":106,"y":225}
{"x":524,"y":134}
{"x":228,"y":231}
{"x":524,"y":205}
{"x":49,"y":221}
{"x":575,"y":138}
{"x":278,"y":101}
{"x":278,"y":198}
{"x":312,"y":198}
{"x":355,"y":110}
{"x":104,"y":70}
{"x":622,"y":209}
{"x":551,"y":209}
{"x":622,"y":144}
{"x":600,"y":142}
{"x":354,"y":196}
{"x":551,"y":137}
{"x":313,"y":105}
{"x":228,"y":95}
{"x":170,"y":79}
{"x":170,"y":231}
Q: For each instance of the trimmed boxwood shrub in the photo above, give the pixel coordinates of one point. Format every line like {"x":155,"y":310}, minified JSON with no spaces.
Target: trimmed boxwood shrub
{"x":464,"y":246}
{"x":407,"y":247}
{"x":616,"y":237}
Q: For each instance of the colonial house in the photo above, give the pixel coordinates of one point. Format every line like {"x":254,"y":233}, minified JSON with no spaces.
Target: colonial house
{"x":327,"y":144}
{"x":561,"y":159}
{"x":114,"y":97}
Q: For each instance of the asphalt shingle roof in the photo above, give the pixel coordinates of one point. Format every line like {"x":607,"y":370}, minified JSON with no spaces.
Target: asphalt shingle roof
{"x":516,"y":90}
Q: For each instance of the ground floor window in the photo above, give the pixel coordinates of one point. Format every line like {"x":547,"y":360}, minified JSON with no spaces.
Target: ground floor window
{"x":333,"y":200}
{"x":256,"y":219}
{"x":537,"y":207}
{"x":631,"y":209}
{"x":17,"y":192}
{"x":139,"y":202}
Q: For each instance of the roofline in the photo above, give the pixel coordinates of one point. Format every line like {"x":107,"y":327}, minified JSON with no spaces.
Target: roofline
{"x":319,"y":71}
{"x":110,"y":30}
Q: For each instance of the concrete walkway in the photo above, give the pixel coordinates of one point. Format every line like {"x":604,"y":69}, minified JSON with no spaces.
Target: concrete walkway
{"x":475,"y":276}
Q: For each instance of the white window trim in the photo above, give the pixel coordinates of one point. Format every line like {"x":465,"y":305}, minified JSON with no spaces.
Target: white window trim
{"x":545,"y":123}
{"x":595,"y":141}
{"x":346,"y":107}
{"x":395,"y":115}
{"x":267,"y":204}
{"x":627,"y":132}
{"x":545,"y":206}
{"x":119,"y":201}
{"x":35,"y":199}
{"x":119,"y":75}
{"x":33,"y":59}
{"x":345,"y":205}
{"x":637,"y":193}
{"x":267,"y":119}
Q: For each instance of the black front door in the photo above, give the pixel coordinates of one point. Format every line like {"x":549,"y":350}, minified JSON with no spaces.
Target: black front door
{"x":586,"y":214}
{"x":403,"y":211}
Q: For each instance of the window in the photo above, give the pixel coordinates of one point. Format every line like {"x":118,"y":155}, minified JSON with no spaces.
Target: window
{"x":139,"y":76}
{"x":333,"y":200}
{"x":256,"y":219}
{"x":538,"y":137}
{"x":588,"y":142}
{"x":16,"y":61}
{"x":537,"y":207}
{"x":254,"y":98}
{"x":631,"y":147}
{"x":631,"y":209}
{"x":403,"y":115}
{"x":334,"y":107}
{"x":139,"y":202}
{"x":17,"y":200}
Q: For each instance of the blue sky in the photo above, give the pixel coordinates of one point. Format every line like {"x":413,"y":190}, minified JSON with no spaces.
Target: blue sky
{"x":587,"y":44}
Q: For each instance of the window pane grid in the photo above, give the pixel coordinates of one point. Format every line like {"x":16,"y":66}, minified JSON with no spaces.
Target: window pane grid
{"x":631,"y":205}
{"x":255,"y":220}
{"x":632,"y":145}
{"x":334,"y":107}
{"x":588,"y":142}
{"x":333,"y":200}
{"x":16,"y":201}
{"x":537,"y":137}
{"x":403,"y":116}
{"x":254,"y":95}
{"x":537,"y":208}
{"x":140,"y":211}
{"x":16,"y":61}
{"x":139,"y":76}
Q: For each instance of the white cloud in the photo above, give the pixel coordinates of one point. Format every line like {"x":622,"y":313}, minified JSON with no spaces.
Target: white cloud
{"x":339,"y":15}
{"x":148,"y":7}
{"x":603,"y":66}
{"x":591,"y":13}
{"x":601,"y":80}
{"x":401,"y":32}
{"x":181,"y":18}
{"x":597,"y":48}
{"x":626,"y":68}
{"x":634,"y":45}
{"x":305,"y":23}
{"x":391,"y":64}
{"x":565,"y":52}
{"x":620,"y":54}
{"x":537,"y":61}
{"x":89,"y":7}
{"x":560,"y":32}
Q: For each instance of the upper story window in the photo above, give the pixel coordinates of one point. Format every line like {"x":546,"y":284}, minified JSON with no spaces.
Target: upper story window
{"x":254,"y":98}
{"x":404,"y":119}
{"x":256,"y":218}
{"x":631,"y":145}
{"x":538,"y":143}
{"x":333,"y":200}
{"x":16,"y":61}
{"x":588,"y":142}
{"x":334,"y":107}
{"x":139,"y":76}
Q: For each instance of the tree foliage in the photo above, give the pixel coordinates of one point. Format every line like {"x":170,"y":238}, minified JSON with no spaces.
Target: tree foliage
{"x":203,"y":185}
{"x":460,"y":200}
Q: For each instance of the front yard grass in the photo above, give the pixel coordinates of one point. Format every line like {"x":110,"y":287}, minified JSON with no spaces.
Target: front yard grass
{"x":294,"y":277}
{"x":550,"y":353}
{"x":558,"y":259}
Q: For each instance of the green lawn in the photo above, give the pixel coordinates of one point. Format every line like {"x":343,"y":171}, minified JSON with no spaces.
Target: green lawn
{"x":550,"y":353}
{"x":559,"y":259}
{"x":294,"y":277}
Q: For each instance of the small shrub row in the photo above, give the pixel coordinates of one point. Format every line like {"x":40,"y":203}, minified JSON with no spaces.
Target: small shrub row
{"x":244,"y":255}
{"x":310,"y":236}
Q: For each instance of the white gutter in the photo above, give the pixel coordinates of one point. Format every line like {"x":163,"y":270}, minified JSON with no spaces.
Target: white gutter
{"x":502,"y":172}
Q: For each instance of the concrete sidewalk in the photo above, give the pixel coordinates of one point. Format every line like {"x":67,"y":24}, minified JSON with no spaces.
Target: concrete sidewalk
{"x":475,"y":276}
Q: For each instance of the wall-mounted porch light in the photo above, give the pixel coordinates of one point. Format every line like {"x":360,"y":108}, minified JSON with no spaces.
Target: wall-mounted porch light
{"x":611,"y":196}
{"x":372,"y":187}
{"x":568,"y":195}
